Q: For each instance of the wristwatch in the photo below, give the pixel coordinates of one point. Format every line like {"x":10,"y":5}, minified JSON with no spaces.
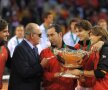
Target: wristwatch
{"x":81,"y":72}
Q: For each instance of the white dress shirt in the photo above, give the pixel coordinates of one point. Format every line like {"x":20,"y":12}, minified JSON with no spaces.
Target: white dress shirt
{"x":70,"y":39}
{"x":44,"y":42}
{"x":12,"y":43}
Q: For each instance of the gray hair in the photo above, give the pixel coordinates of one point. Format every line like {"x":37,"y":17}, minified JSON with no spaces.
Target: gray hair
{"x":29,"y":29}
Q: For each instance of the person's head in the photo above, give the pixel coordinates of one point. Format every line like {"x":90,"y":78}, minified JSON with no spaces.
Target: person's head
{"x":32,"y":33}
{"x":48,"y":17}
{"x":98,"y":34}
{"x":84,"y":27}
{"x":103,"y":23}
{"x":3,"y":30}
{"x":72,"y":24}
{"x":54,"y":34}
{"x":19,"y":32}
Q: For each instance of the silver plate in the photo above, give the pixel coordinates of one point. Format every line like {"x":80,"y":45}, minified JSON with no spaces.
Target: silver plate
{"x":69,"y":76}
{"x":72,"y":66}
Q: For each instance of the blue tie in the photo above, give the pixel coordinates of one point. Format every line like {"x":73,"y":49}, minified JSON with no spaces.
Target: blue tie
{"x":35,"y":51}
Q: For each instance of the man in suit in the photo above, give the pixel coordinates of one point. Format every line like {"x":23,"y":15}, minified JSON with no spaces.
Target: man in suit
{"x":26,"y":70}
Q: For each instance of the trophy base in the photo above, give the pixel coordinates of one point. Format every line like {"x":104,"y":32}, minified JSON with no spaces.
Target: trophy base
{"x":69,"y":76}
{"x":72,"y":66}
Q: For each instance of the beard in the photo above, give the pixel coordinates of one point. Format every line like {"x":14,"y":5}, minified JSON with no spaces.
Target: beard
{"x":53,"y":46}
{"x":2,"y":42}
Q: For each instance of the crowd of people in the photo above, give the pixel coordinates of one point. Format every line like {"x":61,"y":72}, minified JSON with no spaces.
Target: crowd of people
{"x":24,"y":11}
{"x":29,"y":51}
{"x":31,"y":58}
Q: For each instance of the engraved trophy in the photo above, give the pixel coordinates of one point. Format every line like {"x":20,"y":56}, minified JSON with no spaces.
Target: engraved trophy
{"x":69,"y":59}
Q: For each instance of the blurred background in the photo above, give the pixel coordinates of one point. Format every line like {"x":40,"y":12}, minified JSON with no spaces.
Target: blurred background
{"x":24,"y":11}
{"x":18,"y":12}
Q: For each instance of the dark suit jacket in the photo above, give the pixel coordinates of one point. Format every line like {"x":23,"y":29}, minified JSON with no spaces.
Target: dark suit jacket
{"x":26,"y":70}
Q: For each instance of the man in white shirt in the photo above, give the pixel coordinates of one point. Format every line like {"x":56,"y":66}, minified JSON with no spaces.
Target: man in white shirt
{"x":15,"y":40}
{"x":48,"y":19}
{"x":70,"y":38}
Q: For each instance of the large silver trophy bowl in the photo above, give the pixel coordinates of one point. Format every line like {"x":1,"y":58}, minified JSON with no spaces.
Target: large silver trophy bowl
{"x":70,"y":59}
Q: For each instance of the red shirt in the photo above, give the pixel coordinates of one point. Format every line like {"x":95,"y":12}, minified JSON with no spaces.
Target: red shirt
{"x":53,"y":66}
{"x":89,"y":63}
{"x":3,"y":59}
{"x":102,"y":83}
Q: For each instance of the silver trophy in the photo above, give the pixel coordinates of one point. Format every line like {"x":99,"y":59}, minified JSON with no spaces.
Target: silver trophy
{"x":70,"y":59}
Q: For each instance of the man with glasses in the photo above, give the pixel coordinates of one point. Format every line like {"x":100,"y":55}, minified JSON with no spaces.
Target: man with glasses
{"x":27,"y":69}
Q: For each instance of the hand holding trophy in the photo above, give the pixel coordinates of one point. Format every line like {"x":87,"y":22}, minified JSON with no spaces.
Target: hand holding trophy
{"x":70,"y":59}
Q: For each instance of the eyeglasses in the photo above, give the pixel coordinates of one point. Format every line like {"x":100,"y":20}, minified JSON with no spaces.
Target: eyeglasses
{"x":39,"y":35}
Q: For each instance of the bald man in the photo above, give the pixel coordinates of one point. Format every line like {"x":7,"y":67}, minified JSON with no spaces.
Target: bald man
{"x":26,"y":69}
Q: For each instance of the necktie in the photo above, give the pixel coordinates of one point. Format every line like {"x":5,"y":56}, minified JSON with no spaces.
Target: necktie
{"x":35,"y":51}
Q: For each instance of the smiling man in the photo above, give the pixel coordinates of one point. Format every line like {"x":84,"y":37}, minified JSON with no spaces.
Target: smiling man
{"x":3,"y":51}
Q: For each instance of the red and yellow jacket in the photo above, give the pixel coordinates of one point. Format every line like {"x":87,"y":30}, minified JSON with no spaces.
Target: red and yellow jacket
{"x":3,"y":59}
{"x":89,"y":63}
{"x":53,"y":66}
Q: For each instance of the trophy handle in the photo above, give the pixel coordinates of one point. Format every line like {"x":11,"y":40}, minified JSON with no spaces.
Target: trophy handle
{"x":60,"y":59}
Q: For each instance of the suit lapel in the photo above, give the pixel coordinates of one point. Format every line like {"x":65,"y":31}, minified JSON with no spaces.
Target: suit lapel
{"x":29,"y":49}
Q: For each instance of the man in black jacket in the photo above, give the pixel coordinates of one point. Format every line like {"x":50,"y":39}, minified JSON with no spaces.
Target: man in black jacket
{"x":26,"y":70}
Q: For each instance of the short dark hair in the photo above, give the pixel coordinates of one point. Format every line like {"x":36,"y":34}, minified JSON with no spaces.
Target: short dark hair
{"x":76,"y":20}
{"x":56,"y":26}
{"x":85,"y":24}
{"x":46,"y":14}
{"x":99,"y":31}
{"x":3,"y":24}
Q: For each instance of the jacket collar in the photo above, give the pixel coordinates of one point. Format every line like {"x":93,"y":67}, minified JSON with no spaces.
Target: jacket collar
{"x":63,"y":45}
{"x":82,"y":43}
{"x":2,"y":42}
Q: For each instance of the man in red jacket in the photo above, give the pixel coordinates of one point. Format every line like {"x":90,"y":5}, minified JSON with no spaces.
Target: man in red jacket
{"x":52,"y":79}
{"x":3,"y":51}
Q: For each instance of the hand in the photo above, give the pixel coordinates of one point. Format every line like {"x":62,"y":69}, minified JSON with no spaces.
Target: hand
{"x":82,"y":79}
{"x":79,"y":62}
{"x":97,"y":46}
{"x":74,"y":72}
{"x":58,"y":74}
{"x":45,"y":61}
